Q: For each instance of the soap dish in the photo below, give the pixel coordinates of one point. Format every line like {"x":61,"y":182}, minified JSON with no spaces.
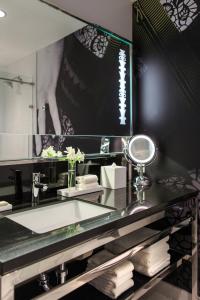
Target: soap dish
{"x":72,"y":192}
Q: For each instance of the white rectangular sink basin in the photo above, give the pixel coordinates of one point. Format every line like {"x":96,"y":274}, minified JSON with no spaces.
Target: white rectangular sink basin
{"x":48,"y":218}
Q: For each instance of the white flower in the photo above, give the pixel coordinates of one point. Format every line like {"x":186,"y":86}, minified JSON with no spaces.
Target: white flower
{"x":80,"y":156}
{"x":49,"y":152}
{"x":59,"y":154}
{"x":72,"y":156}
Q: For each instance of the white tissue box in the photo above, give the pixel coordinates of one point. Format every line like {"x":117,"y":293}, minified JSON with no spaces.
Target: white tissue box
{"x":113,"y":177}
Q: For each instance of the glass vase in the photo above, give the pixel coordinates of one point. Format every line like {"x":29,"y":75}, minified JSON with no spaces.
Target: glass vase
{"x":71,"y":175}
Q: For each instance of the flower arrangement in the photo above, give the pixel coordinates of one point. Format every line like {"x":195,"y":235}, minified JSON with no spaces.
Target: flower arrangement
{"x":71,"y":156}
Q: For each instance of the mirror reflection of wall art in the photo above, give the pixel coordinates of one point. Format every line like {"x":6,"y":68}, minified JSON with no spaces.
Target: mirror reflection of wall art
{"x":83,"y":86}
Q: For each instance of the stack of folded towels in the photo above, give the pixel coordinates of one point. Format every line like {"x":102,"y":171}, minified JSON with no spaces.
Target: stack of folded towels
{"x":153,"y":259}
{"x":87,"y":181}
{"x":149,"y":261}
{"x":114,"y":282}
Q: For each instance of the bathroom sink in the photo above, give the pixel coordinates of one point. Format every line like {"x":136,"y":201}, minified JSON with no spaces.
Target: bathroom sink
{"x":48,"y":218}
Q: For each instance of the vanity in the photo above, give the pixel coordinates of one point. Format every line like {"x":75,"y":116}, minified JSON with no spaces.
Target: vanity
{"x":85,"y":109}
{"x":31,"y":246}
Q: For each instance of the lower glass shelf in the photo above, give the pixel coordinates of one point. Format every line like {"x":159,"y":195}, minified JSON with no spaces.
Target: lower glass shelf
{"x":142,"y":284}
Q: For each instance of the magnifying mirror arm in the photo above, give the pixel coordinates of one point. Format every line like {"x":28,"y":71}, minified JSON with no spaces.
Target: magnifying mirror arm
{"x":140,"y":169}
{"x":127,"y":156}
{"x":141,"y":181}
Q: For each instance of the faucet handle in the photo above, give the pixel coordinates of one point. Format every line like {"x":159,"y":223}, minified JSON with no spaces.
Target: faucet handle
{"x":37,"y":176}
{"x":45,"y":187}
{"x":41,"y":186}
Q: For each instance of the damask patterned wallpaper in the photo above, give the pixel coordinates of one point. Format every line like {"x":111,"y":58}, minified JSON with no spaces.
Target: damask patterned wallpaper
{"x":181,"y":12}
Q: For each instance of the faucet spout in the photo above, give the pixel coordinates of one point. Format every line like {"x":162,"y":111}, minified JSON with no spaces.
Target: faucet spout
{"x":37,"y":186}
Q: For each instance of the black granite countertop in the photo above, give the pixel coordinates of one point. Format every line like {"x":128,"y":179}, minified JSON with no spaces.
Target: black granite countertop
{"x":20,"y":246}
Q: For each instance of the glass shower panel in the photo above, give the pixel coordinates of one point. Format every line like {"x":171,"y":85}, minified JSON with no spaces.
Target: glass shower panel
{"x":16,"y":103}
{"x":15,"y":146}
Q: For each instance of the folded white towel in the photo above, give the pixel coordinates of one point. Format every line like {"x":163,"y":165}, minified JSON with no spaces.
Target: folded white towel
{"x":101,"y":257}
{"x":116,"y":292}
{"x":87,"y":179}
{"x":153,"y":269}
{"x":118,"y":272}
{"x":150,"y":258}
{"x":162,"y":244}
{"x":128,"y":241}
{"x":87,"y":185}
{"x":111,"y":282}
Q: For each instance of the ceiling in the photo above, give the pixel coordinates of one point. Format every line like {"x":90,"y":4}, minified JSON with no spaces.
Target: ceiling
{"x":29,"y":26}
{"x":113,"y":15}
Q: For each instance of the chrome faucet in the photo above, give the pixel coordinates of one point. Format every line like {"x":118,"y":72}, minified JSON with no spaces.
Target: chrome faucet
{"x":37,"y":186}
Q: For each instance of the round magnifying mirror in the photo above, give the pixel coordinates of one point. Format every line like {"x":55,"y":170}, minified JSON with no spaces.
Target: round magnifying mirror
{"x":141,"y":151}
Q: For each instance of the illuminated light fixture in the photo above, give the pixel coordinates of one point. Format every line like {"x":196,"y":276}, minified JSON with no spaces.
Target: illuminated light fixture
{"x":2,"y":13}
{"x":151,"y":148}
{"x":122,"y":86}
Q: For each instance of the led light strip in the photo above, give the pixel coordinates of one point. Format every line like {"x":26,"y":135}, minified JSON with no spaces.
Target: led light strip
{"x":122,"y":86}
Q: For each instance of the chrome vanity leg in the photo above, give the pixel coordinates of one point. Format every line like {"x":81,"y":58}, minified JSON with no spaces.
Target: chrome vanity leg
{"x":7,"y":288}
{"x":195,"y":250}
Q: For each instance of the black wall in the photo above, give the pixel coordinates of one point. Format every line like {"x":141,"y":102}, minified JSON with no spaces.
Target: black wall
{"x":167,"y":66}
{"x":167,"y":72}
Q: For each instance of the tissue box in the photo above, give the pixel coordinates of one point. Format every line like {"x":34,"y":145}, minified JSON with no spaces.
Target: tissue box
{"x":113,"y":177}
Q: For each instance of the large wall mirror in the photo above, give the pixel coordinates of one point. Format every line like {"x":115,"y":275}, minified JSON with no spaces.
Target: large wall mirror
{"x":59,"y":77}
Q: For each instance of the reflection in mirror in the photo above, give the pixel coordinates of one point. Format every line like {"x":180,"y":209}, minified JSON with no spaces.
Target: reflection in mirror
{"x":22,"y":146}
{"x":27,"y":27}
{"x":59,"y":76}
{"x":87,"y":144}
{"x":89,"y":93}
{"x":15,"y":146}
{"x":105,"y":145}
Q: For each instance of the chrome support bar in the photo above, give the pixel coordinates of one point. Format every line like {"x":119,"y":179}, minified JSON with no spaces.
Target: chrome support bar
{"x":7,"y":286}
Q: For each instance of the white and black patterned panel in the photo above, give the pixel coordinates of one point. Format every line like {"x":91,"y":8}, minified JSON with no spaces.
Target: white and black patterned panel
{"x":181,"y":12}
{"x":94,"y":41}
